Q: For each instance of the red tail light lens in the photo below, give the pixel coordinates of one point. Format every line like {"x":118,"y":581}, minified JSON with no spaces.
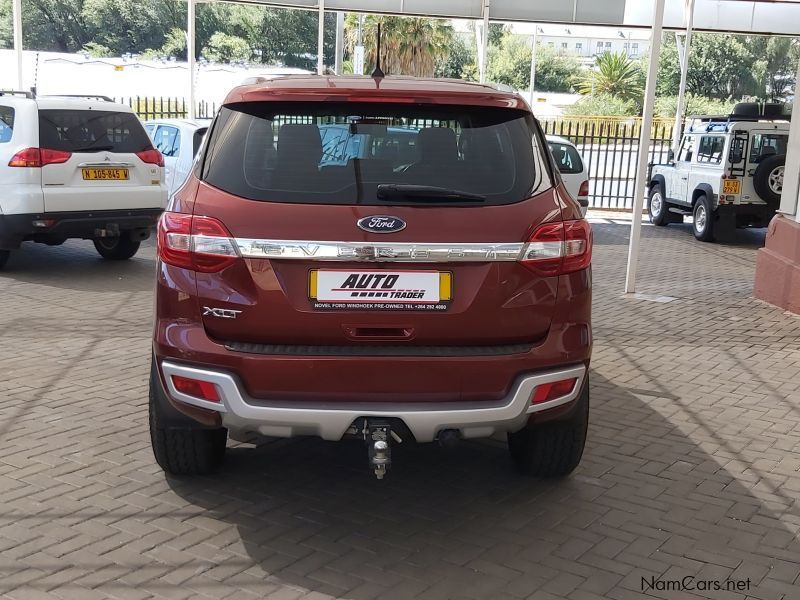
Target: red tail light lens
{"x":584,"y":189}
{"x":205,"y":390}
{"x":559,"y":248}
{"x":39,"y":157}
{"x":151,"y":157}
{"x":196,"y":243}
{"x":555,"y":389}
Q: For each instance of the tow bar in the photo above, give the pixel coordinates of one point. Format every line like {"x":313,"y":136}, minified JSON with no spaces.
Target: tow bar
{"x":378,"y":434}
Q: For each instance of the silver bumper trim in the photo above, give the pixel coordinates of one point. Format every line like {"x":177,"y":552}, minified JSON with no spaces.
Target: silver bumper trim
{"x":330,"y":421}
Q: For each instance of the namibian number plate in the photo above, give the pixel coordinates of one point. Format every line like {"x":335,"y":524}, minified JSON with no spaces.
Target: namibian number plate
{"x":731,"y":186}
{"x":105,"y":174}
{"x":380,"y":290}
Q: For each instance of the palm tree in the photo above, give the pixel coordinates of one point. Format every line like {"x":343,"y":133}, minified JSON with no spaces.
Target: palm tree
{"x":614,"y":74}
{"x":409,"y":45}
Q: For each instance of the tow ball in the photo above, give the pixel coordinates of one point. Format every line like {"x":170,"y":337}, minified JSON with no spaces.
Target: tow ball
{"x":378,"y":436}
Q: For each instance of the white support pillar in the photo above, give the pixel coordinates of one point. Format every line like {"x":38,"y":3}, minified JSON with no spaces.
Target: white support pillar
{"x":190,"y":52}
{"x":339,"y":42}
{"x":533,"y":62}
{"x":484,"y":41}
{"x":790,"y":201}
{"x":688,"y":16}
{"x":644,"y":147}
{"x":321,"y":39}
{"x":16,"y":9}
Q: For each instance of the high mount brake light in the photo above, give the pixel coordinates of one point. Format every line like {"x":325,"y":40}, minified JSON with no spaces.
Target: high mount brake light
{"x":559,"y":248}
{"x":197,"y":243}
{"x":39,"y":157}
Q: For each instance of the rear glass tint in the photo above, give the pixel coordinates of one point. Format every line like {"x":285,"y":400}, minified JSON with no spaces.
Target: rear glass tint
{"x":6,"y":123}
{"x":340,"y":153}
{"x":91,"y":131}
{"x":567,"y":158}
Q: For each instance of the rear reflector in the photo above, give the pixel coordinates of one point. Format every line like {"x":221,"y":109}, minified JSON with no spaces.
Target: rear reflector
{"x":39,"y":157}
{"x":195,"y":388}
{"x":553,"y":390}
{"x":196,"y":243}
{"x":559,"y":248}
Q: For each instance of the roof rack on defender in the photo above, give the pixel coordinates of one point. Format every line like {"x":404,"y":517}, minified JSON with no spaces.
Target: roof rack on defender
{"x":17,"y":93}
{"x":742,"y":112}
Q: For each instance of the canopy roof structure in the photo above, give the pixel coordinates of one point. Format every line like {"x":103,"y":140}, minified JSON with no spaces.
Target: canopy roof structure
{"x":740,"y":16}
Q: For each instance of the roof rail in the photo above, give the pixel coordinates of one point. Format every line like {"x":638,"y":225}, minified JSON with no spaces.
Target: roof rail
{"x":17,"y":93}
{"x":87,"y":96}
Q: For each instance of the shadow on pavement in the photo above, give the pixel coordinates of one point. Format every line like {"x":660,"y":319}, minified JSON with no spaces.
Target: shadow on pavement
{"x":646,"y":501}
{"x":75,"y":265}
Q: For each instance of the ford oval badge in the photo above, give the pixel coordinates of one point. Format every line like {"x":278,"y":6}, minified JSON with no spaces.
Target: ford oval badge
{"x":381,"y":224}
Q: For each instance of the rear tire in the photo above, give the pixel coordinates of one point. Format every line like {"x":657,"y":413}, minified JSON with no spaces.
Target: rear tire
{"x":552,"y":449}
{"x":4,"y":255}
{"x":703,"y":226}
{"x":657,"y":207}
{"x":118,"y":248}
{"x":185,"y":450}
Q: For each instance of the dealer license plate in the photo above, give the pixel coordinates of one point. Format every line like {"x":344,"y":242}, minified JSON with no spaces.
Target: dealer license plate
{"x":331,"y":289}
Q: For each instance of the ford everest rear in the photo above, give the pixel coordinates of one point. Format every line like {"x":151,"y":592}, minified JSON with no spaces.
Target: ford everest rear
{"x":386,"y":259}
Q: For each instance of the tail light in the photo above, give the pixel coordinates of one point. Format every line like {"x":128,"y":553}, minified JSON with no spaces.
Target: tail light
{"x":151,"y":157}
{"x":584,"y":189}
{"x":552,"y":390}
{"x":196,"y":243}
{"x":559,"y":248}
{"x":39,"y":157}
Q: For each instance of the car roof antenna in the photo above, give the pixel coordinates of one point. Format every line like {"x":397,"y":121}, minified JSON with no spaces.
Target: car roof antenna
{"x":378,"y":72}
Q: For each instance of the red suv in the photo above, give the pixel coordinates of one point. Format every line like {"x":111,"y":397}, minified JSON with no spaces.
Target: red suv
{"x":386,"y":259}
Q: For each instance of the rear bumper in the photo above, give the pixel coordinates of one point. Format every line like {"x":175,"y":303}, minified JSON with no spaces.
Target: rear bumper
{"x":15,"y":229}
{"x":331,"y":421}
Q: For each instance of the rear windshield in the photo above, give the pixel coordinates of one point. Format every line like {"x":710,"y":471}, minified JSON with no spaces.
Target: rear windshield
{"x":368,"y":153}
{"x":567,"y":158}
{"x":91,"y":131}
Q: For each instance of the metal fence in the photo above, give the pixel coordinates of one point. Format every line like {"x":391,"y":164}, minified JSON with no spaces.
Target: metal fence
{"x":609,"y":145}
{"x":166,"y":108}
{"x":610,"y":149}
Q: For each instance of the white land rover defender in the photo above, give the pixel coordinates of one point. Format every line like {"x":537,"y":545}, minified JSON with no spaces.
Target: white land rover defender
{"x":728,"y":172}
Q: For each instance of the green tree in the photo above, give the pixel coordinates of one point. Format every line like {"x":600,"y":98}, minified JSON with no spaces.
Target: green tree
{"x":694,"y":105}
{"x":510,"y":63}
{"x":615,"y":75}
{"x":776,"y":66}
{"x":460,"y":62}
{"x":6,"y":35}
{"x":223,"y":47}
{"x":409,"y":45}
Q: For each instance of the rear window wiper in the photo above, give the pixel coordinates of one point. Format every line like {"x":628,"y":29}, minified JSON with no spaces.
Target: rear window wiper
{"x":94,"y":148}
{"x":425,"y":193}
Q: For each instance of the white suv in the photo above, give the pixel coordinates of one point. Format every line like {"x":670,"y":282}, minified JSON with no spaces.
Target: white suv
{"x":728,"y":172}
{"x":76,"y":167}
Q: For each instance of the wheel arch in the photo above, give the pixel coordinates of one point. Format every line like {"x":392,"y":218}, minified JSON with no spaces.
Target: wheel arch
{"x":703,"y":189}
{"x":658,"y":180}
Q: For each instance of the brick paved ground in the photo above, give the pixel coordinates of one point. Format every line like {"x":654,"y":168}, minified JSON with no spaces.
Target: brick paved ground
{"x":692,"y":464}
